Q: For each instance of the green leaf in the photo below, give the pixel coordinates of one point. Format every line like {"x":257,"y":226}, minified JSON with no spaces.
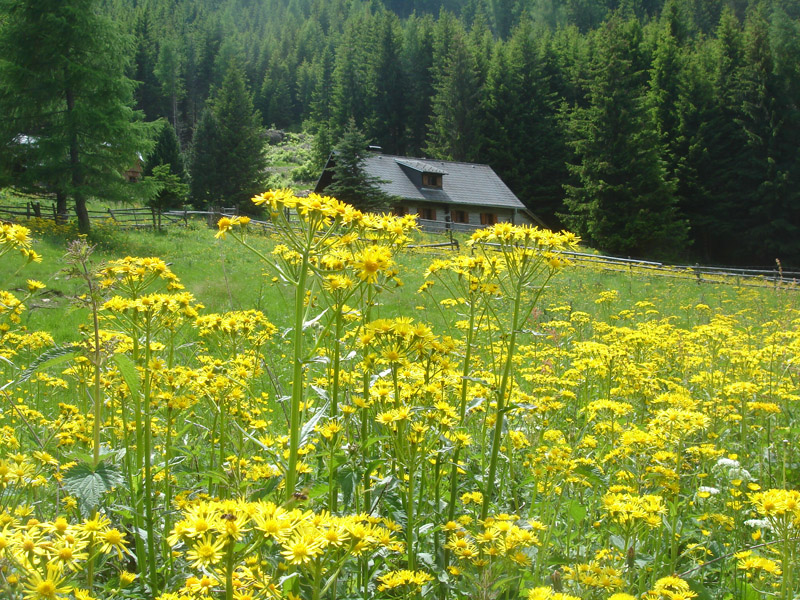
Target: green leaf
{"x":347,"y":479}
{"x":54,"y":356}
{"x":576,"y":511}
{"x":89,"y":484}
{"x":701,"y":591}
{"x":127,"y":368}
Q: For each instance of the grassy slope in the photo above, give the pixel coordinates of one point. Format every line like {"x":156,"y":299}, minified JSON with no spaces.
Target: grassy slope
{"x":224,"y":276}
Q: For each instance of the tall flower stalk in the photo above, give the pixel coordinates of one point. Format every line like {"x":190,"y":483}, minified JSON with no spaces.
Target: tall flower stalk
{"x":527,"y":258}
{"x":320,"y":238}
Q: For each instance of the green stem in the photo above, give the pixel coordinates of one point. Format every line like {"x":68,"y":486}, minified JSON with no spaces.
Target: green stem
{"x":229,"y":571}
{"x":497,"y":438}
{"x":412,"y":550}
{"x":297,"y":378}
{"x":148,"y":468}
{"x":332,"y":487}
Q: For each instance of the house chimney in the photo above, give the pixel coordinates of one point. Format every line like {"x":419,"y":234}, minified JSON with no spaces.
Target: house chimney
{"x":375,"y":149}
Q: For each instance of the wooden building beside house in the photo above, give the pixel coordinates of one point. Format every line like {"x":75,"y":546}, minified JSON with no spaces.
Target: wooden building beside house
{"x":456,"y":194}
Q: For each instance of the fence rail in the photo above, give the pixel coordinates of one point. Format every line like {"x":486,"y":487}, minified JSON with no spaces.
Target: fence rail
{"x":135,"y":218}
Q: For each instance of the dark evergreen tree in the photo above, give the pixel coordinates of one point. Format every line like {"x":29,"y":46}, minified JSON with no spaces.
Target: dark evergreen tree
{"x":67,"y":124}
{"x":525,"y":144}
{"x":171,"y":191}
{"x":353,"y":91}
{"x":167,"y":151}
{"x":228,"y":161}
{"x":389,"y":129}
{"x":277,"y":105}
{"x":168,"y":71}
{"x":205,"y":188}
{"x":666,"y":96}
{"x":147,"y":97}
{"x":620,"y":200}
{"x":418,"y":60}
{"x":772,"y":131}
{"x":453,"y":134}
{"x":725,"y":159}
{"x":351,"y":183}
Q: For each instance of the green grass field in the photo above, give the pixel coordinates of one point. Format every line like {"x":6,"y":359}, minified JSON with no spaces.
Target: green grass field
{"x":522,"y":428}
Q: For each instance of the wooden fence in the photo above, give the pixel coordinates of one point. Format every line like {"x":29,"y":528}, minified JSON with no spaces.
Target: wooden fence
{"x":136,"y":218}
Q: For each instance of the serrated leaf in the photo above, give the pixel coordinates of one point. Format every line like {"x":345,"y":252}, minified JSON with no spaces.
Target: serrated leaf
{"x":308,"y":428}
{"x":576,"y":511}
{"x":89,"y":484}
{"x":129,"y":373}
{"x":347,"y":482}
{"x":54,"y":356}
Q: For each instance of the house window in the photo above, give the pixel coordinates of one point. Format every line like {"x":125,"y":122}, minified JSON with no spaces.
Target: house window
{"x":488,"y":218}
{"x":431,"y":180}
{"x":399,"y":211}
{"x":428,"y":214}
{"x":459,"y":216}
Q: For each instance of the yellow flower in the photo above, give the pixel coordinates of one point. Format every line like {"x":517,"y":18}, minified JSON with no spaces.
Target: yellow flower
{"x":53,"y":586}
{"x":206,"y":551}
{"x":300,"y":549}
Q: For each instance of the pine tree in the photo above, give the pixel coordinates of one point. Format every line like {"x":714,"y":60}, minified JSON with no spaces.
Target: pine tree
{"x":68,"y":127}
{"x":204,"y":187}
{"x":389,"y":129}
{"x":167,"y":151}
{"x":351,"y":183}
{"x":228,"y":160}
{"x":772,"y":129}
{"x":725,"y":159}
{"x":168,"y":71}
{"x":418,"y":56}
{"x":620,"y":200}
{"x":525,"y":144}
{"x":453,"y":134}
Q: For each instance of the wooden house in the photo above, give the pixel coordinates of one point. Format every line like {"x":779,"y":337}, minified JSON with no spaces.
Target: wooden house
{"x":457,"y":195}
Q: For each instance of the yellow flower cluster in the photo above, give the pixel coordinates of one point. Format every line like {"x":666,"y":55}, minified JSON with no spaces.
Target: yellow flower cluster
{"x":547,"y":593}
{"x":405,"y":579}
{"x":629,"y":509}
{"x":18,"y":238}
{"x":135,"y":274}
{"x":42,"y":557}
{"x":209,"y":529}
{"x":499,"y":538}
{"x":780,"y":507}
{"x":670,"y":588}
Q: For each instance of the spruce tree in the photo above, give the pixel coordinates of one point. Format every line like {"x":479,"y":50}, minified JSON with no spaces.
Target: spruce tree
{"x":453,"y":134}
{"x":391,"y":103}
{"x":228,"y":163}
{"x":204,"y":187}
{"x":619,"y":199}
{"x":167,"y":151}
{"x":351,"y":183}
{"x":67,"y":125}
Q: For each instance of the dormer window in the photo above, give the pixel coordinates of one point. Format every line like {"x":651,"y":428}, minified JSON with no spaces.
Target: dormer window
{"x":433,"y":180}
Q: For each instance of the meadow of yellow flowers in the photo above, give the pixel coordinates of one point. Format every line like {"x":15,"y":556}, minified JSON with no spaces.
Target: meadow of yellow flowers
{"x":529,"y":451}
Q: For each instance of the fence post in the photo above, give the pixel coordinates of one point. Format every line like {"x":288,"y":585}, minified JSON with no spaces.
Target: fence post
{"x":37,"y":210}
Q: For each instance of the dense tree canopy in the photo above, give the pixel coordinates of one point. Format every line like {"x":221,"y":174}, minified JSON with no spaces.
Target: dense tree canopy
{"x":711,"y":95}
{"x":67,"y":126}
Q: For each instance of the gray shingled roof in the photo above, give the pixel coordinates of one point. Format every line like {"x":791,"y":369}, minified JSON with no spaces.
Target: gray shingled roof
{"x":462,"y":183}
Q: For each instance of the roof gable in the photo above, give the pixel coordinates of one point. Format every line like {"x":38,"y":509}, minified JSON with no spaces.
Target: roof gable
{"x":467,"y":184}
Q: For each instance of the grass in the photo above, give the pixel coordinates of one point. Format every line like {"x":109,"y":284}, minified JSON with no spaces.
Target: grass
{"x":223,"y":278}
{"x":634,"y":423}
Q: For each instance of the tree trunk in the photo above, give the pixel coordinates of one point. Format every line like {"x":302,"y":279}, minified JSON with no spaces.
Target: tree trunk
{"x":61,"y":208}
{"x":83,"y":215}
{"x":75,"y":166}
